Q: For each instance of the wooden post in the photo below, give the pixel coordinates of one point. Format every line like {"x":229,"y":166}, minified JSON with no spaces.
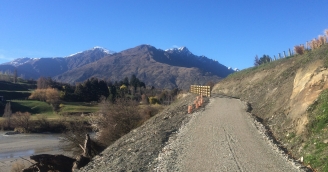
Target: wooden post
{"x":289,"y":52}
{"x":279,"y":56}
{"x":284,"y":54}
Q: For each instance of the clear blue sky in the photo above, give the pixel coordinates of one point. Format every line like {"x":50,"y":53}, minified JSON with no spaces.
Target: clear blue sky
{"x":229,"y":31}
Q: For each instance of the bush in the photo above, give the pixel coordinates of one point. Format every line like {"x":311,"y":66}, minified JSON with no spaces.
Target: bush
{"x":74,"y":138}
{"x":299,"y":49}
{"x":115,"y":120}
{"x":153,"y":100}
{"x":21,"y":121}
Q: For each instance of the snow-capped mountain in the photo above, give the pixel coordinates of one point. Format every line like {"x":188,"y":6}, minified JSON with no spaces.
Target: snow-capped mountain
{"x":172,"y":68}
{"x":21,"y":61}
{"x":52,"y":66}
{"x":97,"y":48}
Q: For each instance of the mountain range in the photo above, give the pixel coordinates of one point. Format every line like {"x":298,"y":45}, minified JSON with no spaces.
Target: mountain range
{"x":171,"y":68}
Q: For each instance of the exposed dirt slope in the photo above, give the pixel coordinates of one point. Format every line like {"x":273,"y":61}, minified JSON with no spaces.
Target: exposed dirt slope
{"x":280,"y":93}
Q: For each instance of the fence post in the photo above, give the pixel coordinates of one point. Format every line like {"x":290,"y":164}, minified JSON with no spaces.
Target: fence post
{"x":284,"y":54}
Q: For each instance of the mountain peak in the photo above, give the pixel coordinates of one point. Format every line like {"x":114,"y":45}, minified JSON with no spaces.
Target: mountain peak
{"x":93,"y":49}
{"x":179,"y":50}
{"x":102,"y":49}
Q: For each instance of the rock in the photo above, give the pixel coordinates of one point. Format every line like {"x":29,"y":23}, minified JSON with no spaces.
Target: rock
{"x":325,"y":141}
{"x":12,"y":133}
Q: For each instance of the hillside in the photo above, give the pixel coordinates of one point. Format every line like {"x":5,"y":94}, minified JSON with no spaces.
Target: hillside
{"x":159,"y":68}
{"x":286,"y":94}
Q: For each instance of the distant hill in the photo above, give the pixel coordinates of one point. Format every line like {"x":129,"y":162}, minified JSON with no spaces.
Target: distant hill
{"x":171,"y":68}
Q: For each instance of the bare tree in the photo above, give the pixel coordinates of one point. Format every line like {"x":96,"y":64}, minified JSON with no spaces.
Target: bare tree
{"x":7,"y":114}
{"x":15,"y":76}
{"x":115,"y":120}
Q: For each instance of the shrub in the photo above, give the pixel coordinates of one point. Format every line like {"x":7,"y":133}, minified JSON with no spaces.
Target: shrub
{"x":21,"y":120}
{"x":74,"y":138}
{"x":299,"y":49}
{"x":115,"y":120}
{"x":153,"y":100}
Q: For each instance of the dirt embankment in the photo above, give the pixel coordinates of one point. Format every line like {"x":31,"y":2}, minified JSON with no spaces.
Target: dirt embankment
{"x":281,"y":92}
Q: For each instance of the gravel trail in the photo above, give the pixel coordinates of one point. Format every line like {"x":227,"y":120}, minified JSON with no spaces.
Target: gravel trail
{"x":223,"y":137}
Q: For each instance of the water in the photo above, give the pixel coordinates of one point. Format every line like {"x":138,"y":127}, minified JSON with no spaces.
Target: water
{"x":25,"y":145}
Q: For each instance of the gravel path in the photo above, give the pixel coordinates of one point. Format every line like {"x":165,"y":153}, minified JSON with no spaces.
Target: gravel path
{"x":224,"y":137}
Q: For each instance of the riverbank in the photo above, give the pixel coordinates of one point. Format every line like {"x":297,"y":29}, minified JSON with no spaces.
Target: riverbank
{"x":13,"y":147}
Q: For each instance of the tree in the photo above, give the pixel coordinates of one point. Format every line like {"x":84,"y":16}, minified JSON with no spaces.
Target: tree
{"x":43,"y":83}
{"x":7,"y":114}
{"x":53,"y":97}
{"x":20,"y":119}
{"x":115,"y":120}
{"x":15,"y":76}
{"x":262,"y":60}
{"x":256,"y":61}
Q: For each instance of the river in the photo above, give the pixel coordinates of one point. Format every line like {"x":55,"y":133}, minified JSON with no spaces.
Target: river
{"x":13,"y":147}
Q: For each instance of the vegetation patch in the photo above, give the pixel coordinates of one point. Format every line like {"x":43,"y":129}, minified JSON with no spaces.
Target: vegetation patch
{"x":32,"y":106}
{"x":315,"y":150}
{"x":78,"y":107}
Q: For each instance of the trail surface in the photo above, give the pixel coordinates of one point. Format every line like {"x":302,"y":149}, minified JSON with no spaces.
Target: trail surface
{"x":222,"y":138}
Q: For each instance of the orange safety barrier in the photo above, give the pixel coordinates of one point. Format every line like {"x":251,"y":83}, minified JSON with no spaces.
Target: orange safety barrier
{"x":189,"y":109}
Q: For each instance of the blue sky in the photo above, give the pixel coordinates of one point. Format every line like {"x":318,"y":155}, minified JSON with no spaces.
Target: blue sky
{"x":229,"y":31}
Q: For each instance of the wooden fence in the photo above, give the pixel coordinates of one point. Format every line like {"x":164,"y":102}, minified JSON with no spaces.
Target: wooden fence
{"x":199,"y":89}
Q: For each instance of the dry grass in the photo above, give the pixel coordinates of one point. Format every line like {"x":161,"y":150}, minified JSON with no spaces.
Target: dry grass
{"x":316,"y":43}
{"x":18,"y":166}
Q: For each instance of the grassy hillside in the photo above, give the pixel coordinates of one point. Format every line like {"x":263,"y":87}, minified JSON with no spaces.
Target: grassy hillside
{"x":290,"y":96}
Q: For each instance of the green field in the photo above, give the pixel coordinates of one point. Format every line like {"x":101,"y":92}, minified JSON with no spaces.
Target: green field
{"x":32,"y":106}
{"x":78,"y":107}
{"x":38,"y":107}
